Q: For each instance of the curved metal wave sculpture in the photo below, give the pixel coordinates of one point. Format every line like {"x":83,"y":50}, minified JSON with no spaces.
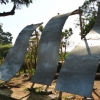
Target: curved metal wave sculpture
{"x":48,"y":50}
{"x":16,"y":54}
{"x":78,"y":72}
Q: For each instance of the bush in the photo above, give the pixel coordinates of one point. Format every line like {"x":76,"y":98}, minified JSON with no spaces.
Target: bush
{"x":3,"y":51}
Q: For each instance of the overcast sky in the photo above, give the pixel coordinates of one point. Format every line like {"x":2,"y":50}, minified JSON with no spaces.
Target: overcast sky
{"x":38,"y":11}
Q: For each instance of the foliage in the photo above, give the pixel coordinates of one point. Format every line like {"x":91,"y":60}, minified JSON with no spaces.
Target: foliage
{"x":5,"y":37}
{"x":3,"y":51}
{"x":16,"y":4}
{"x":31,"y":55}
{"x":65,"y":54}
{"x":89,"y":14}
{"x":64,"y":36}
{"x":5,"y":43}
{"x":33,"y":48}
{"x":67,"y":33}
{"x":1,"y":61}
{"x":41,"y":28}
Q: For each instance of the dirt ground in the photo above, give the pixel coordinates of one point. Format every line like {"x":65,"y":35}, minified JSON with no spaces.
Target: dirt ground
{"x":18,"y":88}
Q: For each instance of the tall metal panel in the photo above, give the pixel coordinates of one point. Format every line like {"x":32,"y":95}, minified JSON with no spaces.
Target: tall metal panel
{"x":16,"y":54}
{"x":48,"y":50}
{"x":78,"y":72}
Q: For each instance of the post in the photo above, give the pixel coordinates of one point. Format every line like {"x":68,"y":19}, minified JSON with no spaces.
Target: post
{"x":60,"y":95}
{"x":85,"y":98}
{"x":46,"y":88}
{"x":37,"y":39}
{"x":32,"y":85}
{"x":80,"y":13}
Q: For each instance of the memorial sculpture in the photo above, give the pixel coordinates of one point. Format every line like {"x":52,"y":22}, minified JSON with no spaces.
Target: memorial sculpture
{"x":16,"y":54}
{"x":77,"y":74}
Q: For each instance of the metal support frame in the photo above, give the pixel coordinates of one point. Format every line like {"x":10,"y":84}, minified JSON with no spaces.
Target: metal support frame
{"x":46,"y":89}
{"x":80,"y":13}
{"x":32,"y":85}
{"x":60,"y":95}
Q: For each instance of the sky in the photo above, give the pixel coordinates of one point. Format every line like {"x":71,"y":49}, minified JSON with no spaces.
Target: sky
{"x":37,"y":12}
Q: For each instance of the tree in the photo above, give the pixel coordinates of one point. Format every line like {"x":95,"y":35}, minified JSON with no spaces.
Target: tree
{"x":41,"y":28}
{"x":32,"y":54}
{"x":5,"y":43}
{"x":16,"y":4}
{"x":4,"y":50}
{"x":5,"y":37}
{"x":89,"y":14}
{"x":64,"y":36}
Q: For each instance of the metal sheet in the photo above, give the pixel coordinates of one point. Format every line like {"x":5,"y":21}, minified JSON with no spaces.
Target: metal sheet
{"x":16,"y":54}
{"x":78,"y":72}
{"x":48,"y":50}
